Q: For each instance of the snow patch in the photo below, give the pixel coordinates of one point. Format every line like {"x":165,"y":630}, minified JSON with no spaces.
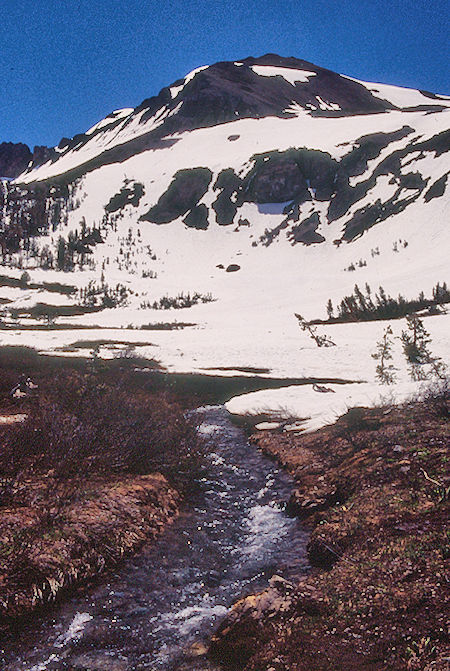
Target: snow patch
{"x":192,"y":74}
{"x":290,"y":75}
{"x":175,"y":90}
{"x":117,"y":114}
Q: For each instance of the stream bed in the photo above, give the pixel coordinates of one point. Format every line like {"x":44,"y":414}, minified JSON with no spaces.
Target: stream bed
{"x":158,"y":609}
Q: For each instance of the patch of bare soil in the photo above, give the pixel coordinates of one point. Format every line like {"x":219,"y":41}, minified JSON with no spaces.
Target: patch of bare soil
{"x":374,"y":488}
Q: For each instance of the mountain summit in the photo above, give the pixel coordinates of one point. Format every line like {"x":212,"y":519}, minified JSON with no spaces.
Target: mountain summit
{"x":254,"y":88}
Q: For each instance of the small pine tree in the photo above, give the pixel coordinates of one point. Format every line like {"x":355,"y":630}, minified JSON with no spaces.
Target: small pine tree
{"x":382,"y":298}
{"x":415,"y":340}
{"x":360,"y":298}
{"x":24,"y":279}
{"x":330,"y":309}
{"x":385,"y":371}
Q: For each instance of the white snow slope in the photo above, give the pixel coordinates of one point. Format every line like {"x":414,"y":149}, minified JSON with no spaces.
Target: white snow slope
{"x":251,"y":322}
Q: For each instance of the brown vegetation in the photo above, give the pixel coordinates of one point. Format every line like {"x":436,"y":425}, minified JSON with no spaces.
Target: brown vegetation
{"x":95,"y":469}
{"x":374,"y":488}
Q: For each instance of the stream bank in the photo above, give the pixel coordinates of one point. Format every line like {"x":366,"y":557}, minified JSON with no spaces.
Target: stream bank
{"x":374,"y":490}
{"x":160,"y":608}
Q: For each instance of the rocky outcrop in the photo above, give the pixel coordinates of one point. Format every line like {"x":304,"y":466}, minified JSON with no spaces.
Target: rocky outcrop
{"x":306,"y":231}
{"x":42,"y":154}
{"x":130,"y":194}
{"x":253,"y":620}
{"x":197,"y":217}
{"x":226,"y":90}
{"x":221,"y":93}
{"x":183,"y":194}
{"x":14,"y":158}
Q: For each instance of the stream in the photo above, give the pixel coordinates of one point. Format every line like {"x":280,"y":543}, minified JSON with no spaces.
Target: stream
{"x":158,"y":609}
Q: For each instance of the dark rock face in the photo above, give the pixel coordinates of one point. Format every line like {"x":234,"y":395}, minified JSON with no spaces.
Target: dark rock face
{"x":276,"y":177}
{"x":412,"y":183}
{"x":328,"y":180}
{"x":279,"y":177}
{"x":437,"y":189}
{"x":183,"y":194}
{"x":224,"y":92}
{"x":130,"y":194}
{"x":14,"y":158}
{"x":369,"y":215}
{"x":197,"y":218}
{"x":355,"y":163}
{"x":228,"y":183}
{"x":42,"y":154}
{"x":306,"y":232}
{"x":276,"y":181}
{"x":352,"y":97}
{"x":369,"y":147}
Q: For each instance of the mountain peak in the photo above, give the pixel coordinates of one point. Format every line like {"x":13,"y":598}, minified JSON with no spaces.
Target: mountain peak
{"x":270,"y":85}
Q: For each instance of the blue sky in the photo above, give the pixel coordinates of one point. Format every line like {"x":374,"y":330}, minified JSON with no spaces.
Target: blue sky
{"x":65,"y":64}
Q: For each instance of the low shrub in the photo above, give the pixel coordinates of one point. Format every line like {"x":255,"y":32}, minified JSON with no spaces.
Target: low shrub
{"x":436,"y":397}
{"x":85,"y":423}
{"x":178,"y":302}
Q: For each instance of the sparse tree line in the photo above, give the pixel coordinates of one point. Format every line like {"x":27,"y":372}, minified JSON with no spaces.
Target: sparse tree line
{"x":415,"y":339}
{"x":67,"y":254}
{"x":370,"y":306}
{"x":102,"y":295}
{"x":375,"y":251}
{"x":180,"y":301}
{"x":26,"y":214}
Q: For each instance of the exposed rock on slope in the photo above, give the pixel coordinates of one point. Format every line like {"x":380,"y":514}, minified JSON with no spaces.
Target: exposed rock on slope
{"x":14,"y":159}
{"x":306,"y":137}
{"x":252,"y":88}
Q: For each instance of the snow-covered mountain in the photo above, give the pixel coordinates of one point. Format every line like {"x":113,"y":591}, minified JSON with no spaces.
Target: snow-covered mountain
{"x":266,"y":130}
{"x":299,"y":181}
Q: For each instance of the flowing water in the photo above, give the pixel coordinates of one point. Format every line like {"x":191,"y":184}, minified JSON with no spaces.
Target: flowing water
{"x":159,"y":609}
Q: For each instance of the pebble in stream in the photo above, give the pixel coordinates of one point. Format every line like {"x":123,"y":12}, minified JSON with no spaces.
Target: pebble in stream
{"x":158,"y":610}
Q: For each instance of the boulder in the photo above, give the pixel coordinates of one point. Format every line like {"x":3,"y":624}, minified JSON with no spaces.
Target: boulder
{"x":252,"y":620}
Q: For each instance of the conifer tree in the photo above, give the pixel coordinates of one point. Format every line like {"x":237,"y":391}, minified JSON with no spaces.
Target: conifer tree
{"x":330,"y":309}
{"x":385,"y":370}
{"x":61,"y":254}
{"x":416,"y":340}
